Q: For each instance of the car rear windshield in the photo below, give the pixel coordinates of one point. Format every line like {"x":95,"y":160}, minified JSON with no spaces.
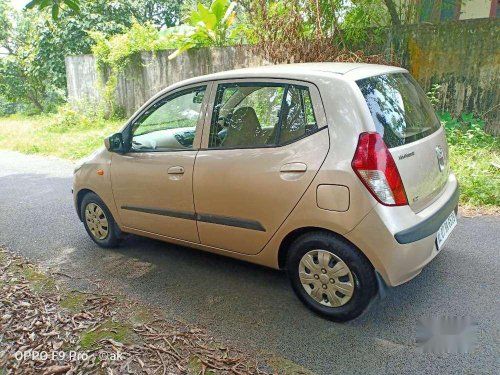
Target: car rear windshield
{"x":399,"y":107}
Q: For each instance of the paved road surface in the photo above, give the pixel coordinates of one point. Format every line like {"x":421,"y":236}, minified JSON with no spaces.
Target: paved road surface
{"x":254,"y":305}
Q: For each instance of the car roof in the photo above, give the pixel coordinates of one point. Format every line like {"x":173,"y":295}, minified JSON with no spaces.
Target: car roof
{"x":297,"y":71}
{"x":300,"y":71}
{"x":338,"y":68}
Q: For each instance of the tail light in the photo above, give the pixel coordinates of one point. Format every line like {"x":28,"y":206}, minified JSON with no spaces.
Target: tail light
{"x":374,"y":165}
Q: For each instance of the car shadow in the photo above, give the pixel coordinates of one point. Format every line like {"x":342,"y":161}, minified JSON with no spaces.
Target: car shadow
{"x":227,"y":295}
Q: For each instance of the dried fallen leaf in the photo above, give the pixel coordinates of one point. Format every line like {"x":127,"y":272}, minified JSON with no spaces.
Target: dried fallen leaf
{"x":36,"y":322}
{"x":57,"y":369}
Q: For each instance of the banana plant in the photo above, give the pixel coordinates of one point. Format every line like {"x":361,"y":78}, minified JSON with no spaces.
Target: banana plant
{"x":213,"y":26}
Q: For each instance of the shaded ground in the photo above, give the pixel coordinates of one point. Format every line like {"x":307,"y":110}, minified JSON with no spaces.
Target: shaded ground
{"x":253,"y":305}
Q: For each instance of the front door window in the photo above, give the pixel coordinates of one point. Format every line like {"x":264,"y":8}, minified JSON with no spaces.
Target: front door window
{"x":170,"y":123}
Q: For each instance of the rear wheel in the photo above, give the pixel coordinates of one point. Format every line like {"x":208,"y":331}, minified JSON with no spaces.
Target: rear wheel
{"x":331,"y":276}
{"x":98,"y":221}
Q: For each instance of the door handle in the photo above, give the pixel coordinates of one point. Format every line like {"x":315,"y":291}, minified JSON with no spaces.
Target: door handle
{"x":176,"y":170}
{"x":293,"y":168}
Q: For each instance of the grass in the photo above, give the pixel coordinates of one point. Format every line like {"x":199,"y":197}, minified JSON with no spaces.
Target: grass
{"x":116,"y":331}
{"x":70,"y":134}
{"x":73,"y":301}
{"x":475,"y":160}
{"x":54,"y":135}
{"x":38,"y":280}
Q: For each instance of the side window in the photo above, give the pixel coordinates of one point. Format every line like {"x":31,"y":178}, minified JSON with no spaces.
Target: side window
{"x":169,"y":124}
{"x":298,"y":114}
{"x":246,"y":115}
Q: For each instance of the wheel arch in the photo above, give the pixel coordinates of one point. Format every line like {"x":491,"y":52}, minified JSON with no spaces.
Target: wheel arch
{"x":296,"y":233}
{"x":79,"y":198}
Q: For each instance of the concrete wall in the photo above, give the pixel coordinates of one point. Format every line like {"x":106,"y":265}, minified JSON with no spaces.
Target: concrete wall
{"x":155,"y":72}
{"x":475,"y":9}
{"x":462,"y":56}
{"x":82,"y":78}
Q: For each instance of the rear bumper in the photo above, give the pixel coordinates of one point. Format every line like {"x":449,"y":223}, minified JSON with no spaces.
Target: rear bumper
{"x":430,"y":225}
{"x":400,"y":242}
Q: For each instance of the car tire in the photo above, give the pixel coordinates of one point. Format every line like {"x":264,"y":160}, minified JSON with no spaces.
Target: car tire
{"x":98,"y":221}
{"x":326,"y":286}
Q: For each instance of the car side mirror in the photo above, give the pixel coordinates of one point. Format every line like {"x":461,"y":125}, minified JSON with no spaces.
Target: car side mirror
{"x":114,"y":143}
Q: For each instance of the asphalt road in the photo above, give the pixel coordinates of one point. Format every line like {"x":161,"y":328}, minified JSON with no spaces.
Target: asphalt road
{"x":253,"y":305}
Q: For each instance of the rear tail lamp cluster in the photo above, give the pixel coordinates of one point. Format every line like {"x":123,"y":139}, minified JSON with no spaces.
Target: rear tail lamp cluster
{"x":374,"y":165}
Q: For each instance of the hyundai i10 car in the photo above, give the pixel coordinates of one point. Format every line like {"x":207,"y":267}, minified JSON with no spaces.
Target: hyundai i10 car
{"x":336,"y":172}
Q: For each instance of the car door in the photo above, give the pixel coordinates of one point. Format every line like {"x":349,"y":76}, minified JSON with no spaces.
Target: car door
{"x":152,"y":183}
{"x":263,"y":143}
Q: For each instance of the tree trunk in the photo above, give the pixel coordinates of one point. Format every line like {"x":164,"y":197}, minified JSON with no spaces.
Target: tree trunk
{"x":391,"y":7}
{"x":35,"y":102}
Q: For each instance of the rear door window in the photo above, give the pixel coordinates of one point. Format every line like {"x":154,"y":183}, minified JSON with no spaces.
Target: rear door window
{"x":400,"y":109}
{"x":246,"y":115}
{"x":261,"y":114}
{"x":298,"y":116}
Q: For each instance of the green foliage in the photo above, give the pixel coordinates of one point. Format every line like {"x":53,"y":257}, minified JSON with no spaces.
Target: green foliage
{"x":434,"y":95}
{"x":55,"y":6}
{"x":34,"y":70}
{"x":117,"y":50}
{"x":364,"y":21}
{"x":205,"y":26}
{"x":26,"y":72}
{"x":158,"y":12}
{"x":5,"y":22}
{"x":475,"y":159}
{"x":108,"y":330}
{"x":71,"y":117}
{"x":7,"y":107}
{"x":209,"y":26}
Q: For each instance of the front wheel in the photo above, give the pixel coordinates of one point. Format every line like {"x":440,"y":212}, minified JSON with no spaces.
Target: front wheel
{"x":331,"y":276}
{"x":98,"y":221}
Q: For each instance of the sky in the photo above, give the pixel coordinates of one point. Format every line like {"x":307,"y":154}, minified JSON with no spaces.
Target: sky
{"x":18,"y":4}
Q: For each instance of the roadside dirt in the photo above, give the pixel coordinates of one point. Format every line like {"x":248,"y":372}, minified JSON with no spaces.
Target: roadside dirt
{"x":46,"y":328}
{"x":479,"y":211}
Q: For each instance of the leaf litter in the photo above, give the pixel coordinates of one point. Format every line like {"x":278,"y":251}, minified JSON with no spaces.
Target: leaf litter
{"x":39,"y":336}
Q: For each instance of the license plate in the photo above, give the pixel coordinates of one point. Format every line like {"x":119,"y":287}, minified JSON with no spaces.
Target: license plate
{"x":445,"y":230}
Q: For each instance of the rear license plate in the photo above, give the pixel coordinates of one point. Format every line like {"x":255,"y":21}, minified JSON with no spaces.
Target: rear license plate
{"x":444,"y":231}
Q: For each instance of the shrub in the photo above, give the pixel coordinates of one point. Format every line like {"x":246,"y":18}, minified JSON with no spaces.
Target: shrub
{"x":77,"y":116}
{"x":474,"y":157}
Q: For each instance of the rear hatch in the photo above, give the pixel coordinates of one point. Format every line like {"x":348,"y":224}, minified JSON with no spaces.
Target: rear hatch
{"x":405,"y":119}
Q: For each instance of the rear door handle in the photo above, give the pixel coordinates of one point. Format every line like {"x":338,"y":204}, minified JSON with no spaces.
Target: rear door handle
{"x":176,"y":170}
{"x":293,"y":168}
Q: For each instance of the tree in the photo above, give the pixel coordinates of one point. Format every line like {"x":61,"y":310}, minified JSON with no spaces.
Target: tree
{"x":35,"y":42}
{"x":55,"y":6}
{"x":161,"y":13}
{"x":393,"y":11}
{"x":5,"y":22}
{"x":23,"y":75}
{"x":158,"y":12}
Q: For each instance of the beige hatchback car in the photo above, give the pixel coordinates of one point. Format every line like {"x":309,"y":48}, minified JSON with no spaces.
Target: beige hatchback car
{"x":336,"y":172}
